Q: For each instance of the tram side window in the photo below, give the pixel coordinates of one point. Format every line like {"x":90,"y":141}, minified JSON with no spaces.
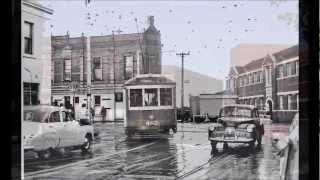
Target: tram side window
{"x":151,"y":97}
{"x":135,"y":97}
{"x":165,"y":96}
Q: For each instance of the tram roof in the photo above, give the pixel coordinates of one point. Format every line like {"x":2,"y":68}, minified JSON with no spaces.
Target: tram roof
{"x":149,"y":79}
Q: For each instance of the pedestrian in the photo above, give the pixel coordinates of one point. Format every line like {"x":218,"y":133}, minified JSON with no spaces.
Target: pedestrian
{"x":92,"y":113}
{"x":103,"y":113}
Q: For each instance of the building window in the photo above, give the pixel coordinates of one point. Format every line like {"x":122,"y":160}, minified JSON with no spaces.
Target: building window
{"x":294,"y":68}
{"x":135,"y":97}
{"x":31,"y":93}
{"x":28,"y":37}
{"x":67,"y":70}
{"x":261,"y":76}
{"x":294,"y":102}
{"x":285,"y":102}
{"x":165,"y":96}
{"x":128,"y":67}
{"x":118,"y":97}
{"x":97,"y":100}
{"x":97,"y":67}
{"x":150,"y":97}
{"x":285,"y":70}
{"x":280,"y":71}
{"x":289,"y":102}
{"x":280,"y":102}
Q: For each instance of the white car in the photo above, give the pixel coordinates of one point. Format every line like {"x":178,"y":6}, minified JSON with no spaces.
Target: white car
{"x":49,"y":128}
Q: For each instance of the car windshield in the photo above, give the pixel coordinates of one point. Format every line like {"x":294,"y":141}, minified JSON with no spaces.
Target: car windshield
{"x":34,"y":115}
{"x":232,"y":111}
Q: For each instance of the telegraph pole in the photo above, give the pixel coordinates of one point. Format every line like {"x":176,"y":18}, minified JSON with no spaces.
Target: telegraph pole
{"x":114,"y":73}
{"x":182,"y":54}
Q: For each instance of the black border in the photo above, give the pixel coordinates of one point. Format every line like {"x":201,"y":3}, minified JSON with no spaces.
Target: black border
{"x":13,"y":88}
{"x":308,"y":87}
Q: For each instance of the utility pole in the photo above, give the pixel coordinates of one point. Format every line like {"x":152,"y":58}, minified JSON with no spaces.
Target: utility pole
{"x":182,"y":54}
{"x":114,"y":73}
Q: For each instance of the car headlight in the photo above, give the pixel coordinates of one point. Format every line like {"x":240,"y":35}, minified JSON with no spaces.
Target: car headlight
{"x":211,"y":128}
{"x":250,"y":128}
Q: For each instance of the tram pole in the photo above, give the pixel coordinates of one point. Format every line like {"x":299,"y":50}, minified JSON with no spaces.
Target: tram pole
{"x":182,"y":54}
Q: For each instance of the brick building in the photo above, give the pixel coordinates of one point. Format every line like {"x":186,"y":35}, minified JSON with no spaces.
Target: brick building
{"x":270,"y":83}
{"x":111,"y":60}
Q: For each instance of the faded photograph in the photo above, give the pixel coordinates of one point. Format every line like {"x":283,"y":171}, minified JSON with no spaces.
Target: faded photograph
{"x":160,"y":89}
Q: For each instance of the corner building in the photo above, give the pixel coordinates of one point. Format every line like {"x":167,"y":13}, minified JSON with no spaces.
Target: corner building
{"x":92,"y":70}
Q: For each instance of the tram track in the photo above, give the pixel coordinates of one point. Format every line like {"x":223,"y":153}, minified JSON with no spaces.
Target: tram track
{"x":49,"y":171}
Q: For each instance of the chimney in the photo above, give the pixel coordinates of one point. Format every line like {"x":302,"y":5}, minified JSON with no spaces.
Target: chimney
{"x":150,"y":21}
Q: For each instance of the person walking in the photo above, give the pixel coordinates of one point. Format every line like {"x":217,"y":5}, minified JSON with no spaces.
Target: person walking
{"x":103,"y":113}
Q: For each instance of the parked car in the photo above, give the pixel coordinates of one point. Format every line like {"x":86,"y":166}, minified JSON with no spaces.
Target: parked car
{"x":46,"y":129}
{"x":288,"y":150}
{"x":236,"y":123}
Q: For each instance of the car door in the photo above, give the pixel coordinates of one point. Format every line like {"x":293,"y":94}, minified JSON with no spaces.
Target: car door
{"x":51,"y":137}
{"x":71,"y":130}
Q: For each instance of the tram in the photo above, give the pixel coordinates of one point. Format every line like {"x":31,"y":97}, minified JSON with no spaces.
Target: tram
{"x":150,"y":106}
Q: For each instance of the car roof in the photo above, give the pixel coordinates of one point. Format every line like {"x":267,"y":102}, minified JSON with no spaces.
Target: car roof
{"x":240,"y":105}
{"x":43,"y":108}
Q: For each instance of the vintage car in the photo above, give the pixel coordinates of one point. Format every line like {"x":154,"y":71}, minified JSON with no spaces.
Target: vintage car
{"x":236,"y":123}
{"x":47,"y":129}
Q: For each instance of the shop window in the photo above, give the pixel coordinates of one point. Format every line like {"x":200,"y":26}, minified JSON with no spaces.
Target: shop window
{"x":150,"y":97}
{"x":135,"y":97}
{"x":31,"y":93}
{"x":28,"y":37}
{"x":165,"y":96}
{"x":118,"y":96}
{"x":97,"y":100}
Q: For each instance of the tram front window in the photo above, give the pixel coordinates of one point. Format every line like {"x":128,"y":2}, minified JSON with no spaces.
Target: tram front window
{"x":151,"y":97}
{"x":165,"y":96}
{"x":135,"y":97}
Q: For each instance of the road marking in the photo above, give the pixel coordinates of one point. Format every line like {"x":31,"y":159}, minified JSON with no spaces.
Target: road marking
{"x":40,"y":173}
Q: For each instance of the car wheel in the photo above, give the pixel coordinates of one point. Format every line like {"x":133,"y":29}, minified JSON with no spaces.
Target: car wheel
{"x":46,"y":154}
{"x":86,"y":147}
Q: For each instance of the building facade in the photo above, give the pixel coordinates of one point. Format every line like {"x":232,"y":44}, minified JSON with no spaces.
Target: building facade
{"x":271,"y":83}
{"x":36,"y":53}
{"x":92,"y":70}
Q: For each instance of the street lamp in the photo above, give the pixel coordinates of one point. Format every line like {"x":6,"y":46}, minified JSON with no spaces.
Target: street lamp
{"x":30,"y":83}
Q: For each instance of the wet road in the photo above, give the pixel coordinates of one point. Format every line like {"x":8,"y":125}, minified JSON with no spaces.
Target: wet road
{"x":184,"y":156}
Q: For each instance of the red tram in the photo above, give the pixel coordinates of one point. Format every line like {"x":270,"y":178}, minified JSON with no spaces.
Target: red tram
{"x":150,"y":106}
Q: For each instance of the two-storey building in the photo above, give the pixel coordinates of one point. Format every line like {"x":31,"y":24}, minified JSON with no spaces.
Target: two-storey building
{"x":270,"y":83}
{"x":36,"y":53}
{"x":92,"y":70}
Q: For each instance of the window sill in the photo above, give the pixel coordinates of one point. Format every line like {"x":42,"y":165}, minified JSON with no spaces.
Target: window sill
{"x":252,"y":84}
{"x":29,"y":56}
{"x":286,"y":77}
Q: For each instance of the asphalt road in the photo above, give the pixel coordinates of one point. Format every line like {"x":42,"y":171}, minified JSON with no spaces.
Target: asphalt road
{"x":184,"y":156}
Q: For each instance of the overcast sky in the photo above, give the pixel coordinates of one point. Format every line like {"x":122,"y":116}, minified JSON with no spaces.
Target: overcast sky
{"x":208,"y":29}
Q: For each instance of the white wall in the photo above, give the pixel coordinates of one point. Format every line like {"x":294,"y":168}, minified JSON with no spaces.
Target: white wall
{"x":39,"y":63}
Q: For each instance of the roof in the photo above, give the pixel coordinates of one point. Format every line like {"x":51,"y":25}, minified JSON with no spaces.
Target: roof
{"x":149,"y":79}
{"x":240,"y":105}
{"x":224,"y":92}
{"x":287,"y":53}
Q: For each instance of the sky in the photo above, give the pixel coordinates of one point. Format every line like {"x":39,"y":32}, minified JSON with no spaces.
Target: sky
{"x":208,"y":29}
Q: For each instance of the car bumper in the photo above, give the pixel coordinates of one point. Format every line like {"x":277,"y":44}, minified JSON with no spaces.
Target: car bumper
{"x":232,"y":140}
